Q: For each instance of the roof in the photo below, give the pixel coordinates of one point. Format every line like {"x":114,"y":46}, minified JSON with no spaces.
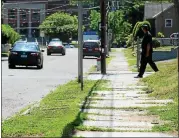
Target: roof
{"x":153,"y":9}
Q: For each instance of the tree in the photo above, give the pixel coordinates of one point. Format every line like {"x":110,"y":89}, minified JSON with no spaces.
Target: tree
{"x":95,"y":18}
{"x":9,"y":35}
{"x":60,"y":25}
{"x":120,"y":28}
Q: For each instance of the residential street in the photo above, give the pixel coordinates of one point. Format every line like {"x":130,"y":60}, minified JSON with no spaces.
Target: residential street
{"x":24,"y":86}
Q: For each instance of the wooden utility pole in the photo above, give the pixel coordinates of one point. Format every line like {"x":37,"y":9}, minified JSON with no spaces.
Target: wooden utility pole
{"x":103,"y":36}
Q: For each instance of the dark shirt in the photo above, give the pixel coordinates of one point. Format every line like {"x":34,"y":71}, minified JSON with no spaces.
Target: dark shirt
{"x":147,"y":39}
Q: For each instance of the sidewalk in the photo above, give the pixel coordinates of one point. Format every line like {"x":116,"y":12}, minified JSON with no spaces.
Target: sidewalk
{"x":119,"y":113}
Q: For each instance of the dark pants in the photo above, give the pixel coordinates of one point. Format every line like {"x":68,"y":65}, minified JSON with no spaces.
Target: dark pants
{"x":143,"y":63}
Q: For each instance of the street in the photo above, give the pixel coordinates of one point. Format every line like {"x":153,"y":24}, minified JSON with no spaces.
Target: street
{"x":24,"y":86}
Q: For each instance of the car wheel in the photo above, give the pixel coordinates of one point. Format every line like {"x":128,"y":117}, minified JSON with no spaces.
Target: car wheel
{"x":11,"y":66}
{"x":63,"y":53}
{"x":83,"y":56}
{"x":42,"y":66}
{"x":39,"y":66}
{"x":48,"y":53}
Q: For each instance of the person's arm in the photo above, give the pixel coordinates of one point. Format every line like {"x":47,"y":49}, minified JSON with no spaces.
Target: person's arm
{"x":148,"y":50}
{"x":148,"y":45}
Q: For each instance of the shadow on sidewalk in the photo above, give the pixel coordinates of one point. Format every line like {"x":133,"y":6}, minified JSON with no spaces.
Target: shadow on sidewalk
{"x":69,"y":129}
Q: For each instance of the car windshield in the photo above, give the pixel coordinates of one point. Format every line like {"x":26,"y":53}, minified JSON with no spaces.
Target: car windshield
{"x":55,"y":39}
{"x":57,"y":43}
{"x":91,"y":45}
{"x":25,"y":47}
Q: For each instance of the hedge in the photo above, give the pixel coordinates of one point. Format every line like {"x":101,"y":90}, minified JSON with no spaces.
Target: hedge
{"x":9,"y":33}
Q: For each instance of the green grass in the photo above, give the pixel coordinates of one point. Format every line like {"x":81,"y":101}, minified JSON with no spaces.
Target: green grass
{"x":113,"y":50}
{"x":164,"y":85}
{"x":102,"y":129}
{"x":57,"y":114}
{"x":4,"y":54}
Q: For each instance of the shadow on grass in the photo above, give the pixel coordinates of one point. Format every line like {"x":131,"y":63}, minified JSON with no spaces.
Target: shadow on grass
{"x":69,"y":129}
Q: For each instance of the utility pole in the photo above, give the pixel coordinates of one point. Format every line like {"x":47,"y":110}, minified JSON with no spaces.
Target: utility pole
{"x":103,"y":36}
{"x":107,"y":36}
{"x":80,"y":44}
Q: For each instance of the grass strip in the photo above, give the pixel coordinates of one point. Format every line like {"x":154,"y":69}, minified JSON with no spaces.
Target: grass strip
{"x":57,"y":114}
{"x":164,"y":85}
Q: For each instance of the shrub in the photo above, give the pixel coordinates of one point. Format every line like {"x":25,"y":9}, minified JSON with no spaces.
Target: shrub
{"x":137,"y":31}
{"x":155,"y":43}
{"x":159,"y":34}
{"x":129,"y":40}
{"x":9,"y":34}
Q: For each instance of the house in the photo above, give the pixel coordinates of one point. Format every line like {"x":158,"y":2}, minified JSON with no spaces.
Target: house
{"x":163,"y":18}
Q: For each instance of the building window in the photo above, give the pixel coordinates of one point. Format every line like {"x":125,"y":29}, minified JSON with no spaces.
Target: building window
{"x":36,"y":15}
{"x":168,"y":22}
{"x":23,"y":14}
{"x":12,"y":13}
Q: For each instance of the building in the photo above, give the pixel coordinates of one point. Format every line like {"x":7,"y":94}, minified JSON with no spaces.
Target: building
{"x":25,"y":16}
{"x":163,"y":18}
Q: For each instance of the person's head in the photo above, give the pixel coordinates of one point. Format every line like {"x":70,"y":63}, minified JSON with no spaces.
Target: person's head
{"x":145,"y":28}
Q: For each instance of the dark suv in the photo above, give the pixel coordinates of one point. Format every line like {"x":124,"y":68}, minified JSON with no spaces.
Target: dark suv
{"x":91,"y":48}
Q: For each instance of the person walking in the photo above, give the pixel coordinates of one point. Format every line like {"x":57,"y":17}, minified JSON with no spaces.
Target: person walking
{"x":146,"y":54}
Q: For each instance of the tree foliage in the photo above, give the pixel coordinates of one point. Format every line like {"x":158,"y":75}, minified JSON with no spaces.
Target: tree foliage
{"x":137,"y":31}
{"x":120,"y":28}
{"x":9,"y":35}
{"x":61,"y":25}
{"x":94,"y":19}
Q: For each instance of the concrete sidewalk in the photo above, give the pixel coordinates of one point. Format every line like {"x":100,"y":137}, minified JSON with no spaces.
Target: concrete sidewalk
{"x":119,"y":113}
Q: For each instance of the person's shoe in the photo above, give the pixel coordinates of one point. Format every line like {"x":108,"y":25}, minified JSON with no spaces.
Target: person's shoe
{"x":138,"y":76}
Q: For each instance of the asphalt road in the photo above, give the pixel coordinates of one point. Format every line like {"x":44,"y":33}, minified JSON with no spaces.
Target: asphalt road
{"x":24,"y":86}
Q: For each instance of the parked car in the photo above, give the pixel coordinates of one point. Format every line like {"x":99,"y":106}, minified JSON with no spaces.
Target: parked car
{"x":56,"y":47}
{"x":33,"y":40}
{"x":91,"y":48}
{"x":26,"y":54}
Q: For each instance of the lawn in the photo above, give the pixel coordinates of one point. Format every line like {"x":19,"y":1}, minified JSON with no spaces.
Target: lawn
{"x":56,"y":116}
{"x":164,"y":85}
